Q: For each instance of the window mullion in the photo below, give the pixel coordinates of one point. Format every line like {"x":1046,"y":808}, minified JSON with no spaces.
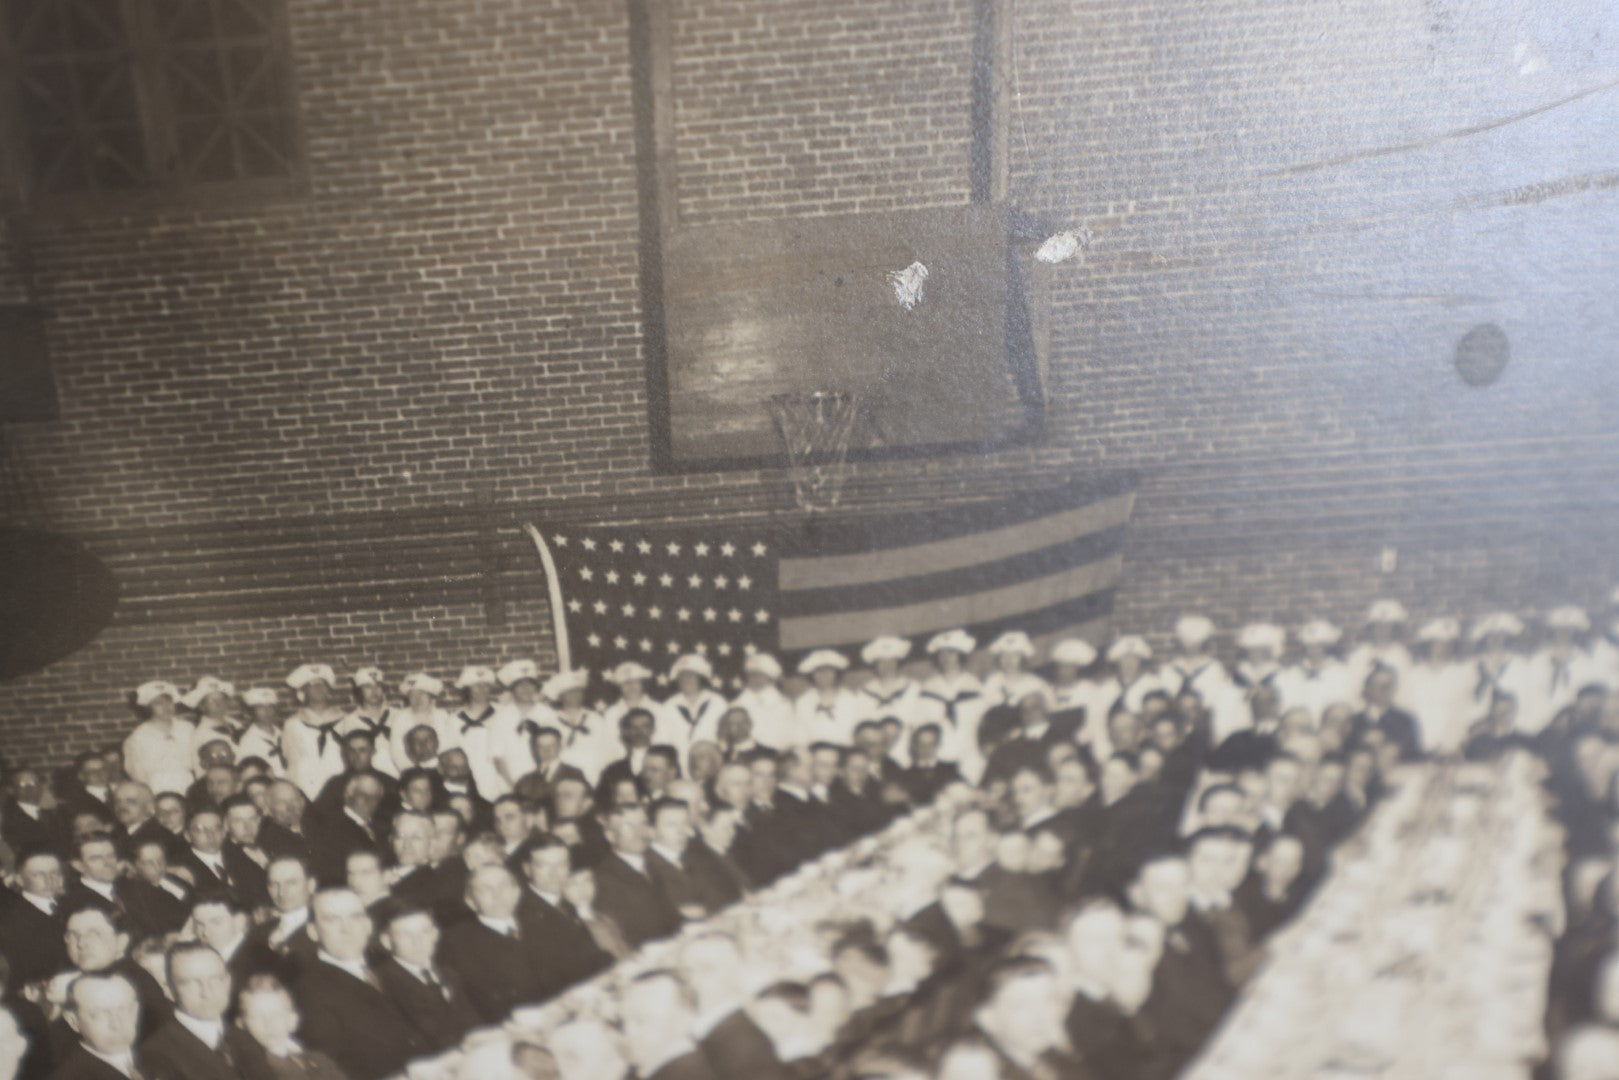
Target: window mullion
{"x":150,"y":75}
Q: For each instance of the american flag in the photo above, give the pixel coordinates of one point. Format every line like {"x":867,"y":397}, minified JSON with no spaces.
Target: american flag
{"x":1045,"y":562}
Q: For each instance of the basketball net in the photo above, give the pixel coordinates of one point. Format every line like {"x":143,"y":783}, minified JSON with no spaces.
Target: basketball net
{"x":815,"y":429}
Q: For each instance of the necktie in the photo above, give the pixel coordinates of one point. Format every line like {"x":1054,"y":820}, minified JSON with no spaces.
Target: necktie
{"x":327,"y":733}
{"x":433,"y":981}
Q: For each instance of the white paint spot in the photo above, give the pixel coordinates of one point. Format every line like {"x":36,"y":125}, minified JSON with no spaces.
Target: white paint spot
{"x":1529,"y":57}
{"x":1063,"y":246}
{"x":907,"y":284}
{"x":405,"y":475}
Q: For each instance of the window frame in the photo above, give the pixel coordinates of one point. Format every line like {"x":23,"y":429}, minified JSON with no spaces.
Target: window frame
{"x":169,"y":188}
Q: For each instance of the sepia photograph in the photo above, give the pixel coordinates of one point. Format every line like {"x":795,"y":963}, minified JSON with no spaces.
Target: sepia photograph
{"x":809,"y":540}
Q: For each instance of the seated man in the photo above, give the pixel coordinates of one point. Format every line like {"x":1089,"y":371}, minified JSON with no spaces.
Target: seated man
{"x":193,"y":1044}
{"x":104,"y":1014}
{"x":659,"y":1009}
{"x":499,"y":967}
{"x":430,"y":995}
{"x":625,"y":889}
{"x":345,"y":1012}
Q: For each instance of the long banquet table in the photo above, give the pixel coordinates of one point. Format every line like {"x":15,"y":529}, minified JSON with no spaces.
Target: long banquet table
{"x":1425,"y":953}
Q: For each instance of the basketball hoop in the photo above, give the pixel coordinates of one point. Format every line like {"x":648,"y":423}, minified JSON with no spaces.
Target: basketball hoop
{"x":815,"y":429}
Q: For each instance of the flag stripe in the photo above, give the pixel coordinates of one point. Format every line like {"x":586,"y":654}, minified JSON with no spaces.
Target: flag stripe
{"x":977,"y":578}
{"x":831,"y":571}
{"x":849,"y":627}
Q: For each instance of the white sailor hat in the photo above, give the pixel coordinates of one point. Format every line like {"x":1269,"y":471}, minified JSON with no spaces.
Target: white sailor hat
{"x":823,"y":658}
{"x":887,"y":647}
{"x":1319,"y":632}
{"x":1261,"y":636}
{"x":1129,"y":645}
{"x":1387,"y":611}
{"x":1013,"y":641}
{"x":368,"y":676}
{"x":1568,"y":617}
{"x":564,"y":681}
{"x":205,"y":686}
{"x":1193,"y":630}
{"x":1497,"y":622}
{"x":1444,"y":628}
{"x":1074,"y":652}
{"x":764,"y":664}
{"x":148,"y":692}
{"x":422,"y":681}
{"x":304,"y":674}
{"x":954,"y":640}
{"x":516,"y":671}
{"x":260,"y":695}
{"x":628,"y":671}
{"x":475,"y":675}
{"x":692,"y":664}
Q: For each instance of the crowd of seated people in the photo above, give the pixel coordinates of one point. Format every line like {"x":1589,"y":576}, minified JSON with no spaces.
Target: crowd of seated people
{"x":277,"y":883}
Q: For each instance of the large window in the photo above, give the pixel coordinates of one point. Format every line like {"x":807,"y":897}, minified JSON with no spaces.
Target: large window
{"x":110,"y":96}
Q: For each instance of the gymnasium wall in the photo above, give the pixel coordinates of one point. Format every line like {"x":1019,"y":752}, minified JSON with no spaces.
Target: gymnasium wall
{"x":306,"y":428}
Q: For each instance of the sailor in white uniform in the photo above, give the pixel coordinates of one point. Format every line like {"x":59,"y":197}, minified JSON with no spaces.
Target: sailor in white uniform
{"x":1554,"y":675}
{"x":953,"y":698}
{"x":1196,"y":669}
{"x":1012,"y":681}
{"x":632,"y":680}
{"x":1385,"y":621}
{"x":588,"y":744}
{"x":774,"y":718}
{"x":262,"y":739}
{"x":695,"y":708}
{"x":1496,"y":666}
{"x":211,"y":700}
{"x":1317,"y":679}
{"x":1438,"y":689}
{"x":518,"y":719}
{"x":475,"y":727}
{"x":373,"y":715}
{"x":311,"y":738}
{"x":1260,"y":663}
{"x":161,"y":751}
{"x":889,"y":692}
{"x":827,"y":711}
{"x":1126,"y":688}
{"x":421,"y":692}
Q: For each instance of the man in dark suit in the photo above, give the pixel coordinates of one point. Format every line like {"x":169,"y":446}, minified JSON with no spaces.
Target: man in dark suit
{"x":1021,"y":1020}
{"x":193,"y":1044}
{"x":926,"y":775}
{"x":413,"y":879}
{"x":856,"y":800}
{"x":358,"y":751}
{"x":493,"y":959}
{"x":136,"y":811}
{"x":1190,"y":992}
{"x":575,"y":821}
{"x":97,"y":943}
{"x":346,"y":1014}
{"x":1381,"y":714}
{"x":25,"y":824}
{"x":430,"y":995}
{"x":625,"y":891}
{"x":635,"y":729}
{"x":540,"y":786}
{"x":245,"y":857}
{"x":103,"y":1014}
{"x":665,"y":858}
{"x":708,"y":860}
{"x":281,"y":945}
{"x":100,"y":880}
{"x":350,"y":829}
{"x":282,"y":831}
{"x":204,"y":858}
{"x":158,"y":902}
{"x":568,"y":953}
{"x":659,"y":1009}
{"x":31,"y":926}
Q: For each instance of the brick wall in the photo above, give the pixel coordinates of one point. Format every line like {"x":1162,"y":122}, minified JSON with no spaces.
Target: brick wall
{"x":1264,"y":323}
